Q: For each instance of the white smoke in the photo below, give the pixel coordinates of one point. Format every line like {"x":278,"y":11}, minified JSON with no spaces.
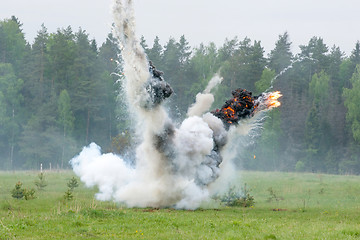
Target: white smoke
{"x":170,"y":166}
{"x":93,"y":168}
{"x":204,"y":100}
{"x":214,"y":81}
{"x":175,"y":166}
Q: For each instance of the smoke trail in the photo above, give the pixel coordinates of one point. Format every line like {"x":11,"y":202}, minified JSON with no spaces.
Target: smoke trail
{"x":284,"y":70}
{"x":204,"y":100}
{"x":175,"y":166}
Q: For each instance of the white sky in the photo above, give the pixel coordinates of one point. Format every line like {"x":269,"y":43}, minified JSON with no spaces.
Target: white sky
{"x":201,"y":20}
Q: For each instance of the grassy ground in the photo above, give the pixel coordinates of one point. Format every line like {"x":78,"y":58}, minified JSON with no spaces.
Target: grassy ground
{"x":288,"y":206}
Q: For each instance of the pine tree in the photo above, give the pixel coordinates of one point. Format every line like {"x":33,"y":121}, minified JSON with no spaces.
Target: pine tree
{"x":355,"y":54}
{"x":12,"y":43}
{"x":37,"y":85}
{"x":316,"y":49}
{"x":66,"y":120}
{"x":11,"y":100}
{"x":352,"y":99}
{"x":61,"y":51}
{"x":245,"y":67}
{"x":155,"y":54}
{"x":144,"y":44}
{"x":110,"y":64}
{"x":280,"y":57}
{"x":184,"y":51}
{"x":228,"y":49}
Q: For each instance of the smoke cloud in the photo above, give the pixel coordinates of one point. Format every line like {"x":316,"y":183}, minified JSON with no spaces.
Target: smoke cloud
{"x":176,"y":166}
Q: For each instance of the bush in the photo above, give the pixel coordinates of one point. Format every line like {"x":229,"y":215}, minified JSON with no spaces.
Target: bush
{"x":234,"y":198}
{"x":29,"y":194}
{"x":68,"y":195}
{"x":17,"y":192}
{"x":300,"y":166}
{"x":73,"y":183}
{"x":273,"y":195}
{"x":41,"y":181}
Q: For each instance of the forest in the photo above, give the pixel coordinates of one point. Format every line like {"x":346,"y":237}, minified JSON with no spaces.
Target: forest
{"x":63,"y":91}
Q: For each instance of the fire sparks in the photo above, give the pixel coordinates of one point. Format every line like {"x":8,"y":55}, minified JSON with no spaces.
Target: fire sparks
{"x":272,"y":99}
{"x":245,"y":105}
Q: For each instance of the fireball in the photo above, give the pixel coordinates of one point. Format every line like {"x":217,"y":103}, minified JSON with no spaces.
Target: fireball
{"x":272,"y":99}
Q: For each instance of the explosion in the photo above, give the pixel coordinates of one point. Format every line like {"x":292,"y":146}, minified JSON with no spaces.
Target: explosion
{"x":245,"y":105}
{"x":272,"y":99}
{"x":175,"y":165}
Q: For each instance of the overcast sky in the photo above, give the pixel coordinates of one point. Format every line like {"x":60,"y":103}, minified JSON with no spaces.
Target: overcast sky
{"x":337,"y":22}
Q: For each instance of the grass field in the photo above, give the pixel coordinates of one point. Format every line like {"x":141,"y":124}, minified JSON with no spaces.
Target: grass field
{"x":288,"y":206}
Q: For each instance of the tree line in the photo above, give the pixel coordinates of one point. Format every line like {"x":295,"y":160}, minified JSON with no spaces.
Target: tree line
{"x":62,"y":92}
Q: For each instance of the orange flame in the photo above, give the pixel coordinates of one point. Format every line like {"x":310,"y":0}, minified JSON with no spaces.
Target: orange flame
{"x":273,"y":99}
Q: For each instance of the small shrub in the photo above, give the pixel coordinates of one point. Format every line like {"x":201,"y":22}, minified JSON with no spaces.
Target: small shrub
{"x":234,"y":198}
{"x":273,"y":195}
{"x":18,"y":191}
{"x":41,"y":181}
{"x":271,"y":236}
{"x":73,"y":183}
{"x":68,"y":195}
{"x":29,"y":194}
{"x":300,"y":166}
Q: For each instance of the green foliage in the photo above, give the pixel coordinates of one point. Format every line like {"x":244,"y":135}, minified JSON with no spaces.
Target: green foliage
{"x":266,"y":154}
{"x":273,"y":195}
{"x":29,"y":194}
{"x":265,"y":80}
{"x":246,"y":65}
{"x":10,"y":102}
{"x":17,"y":192}
{"x":68,"y":195}
{"x":313,"y":136}
{"x":319,"y":87}
{"x":300,"y":166}
{"x":235,"y":198}
{"x":352,"y":98}
{"x":41,"y":182}
{"x":329,"y":215}
{"x":355,"y":54}
{"x":281,"y":56}
{"x":66,"y":118}
{"x":73,"y":183}
{"x":316,"y":49}
{"x":12,"y":44}
{"x":155,"y":53}
{"x":202,"y":67}
{"x":63,"y":90}
{"x":66,"y":85}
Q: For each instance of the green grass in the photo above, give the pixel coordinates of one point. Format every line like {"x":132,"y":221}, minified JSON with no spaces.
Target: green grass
{"x":301,"y":206}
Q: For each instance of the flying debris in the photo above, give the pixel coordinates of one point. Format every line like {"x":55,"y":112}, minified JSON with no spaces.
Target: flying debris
{"x":156,"y":73}
{"x":240,"y":106}
{"x":157,"y":88}
{"x":243,"y":105}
